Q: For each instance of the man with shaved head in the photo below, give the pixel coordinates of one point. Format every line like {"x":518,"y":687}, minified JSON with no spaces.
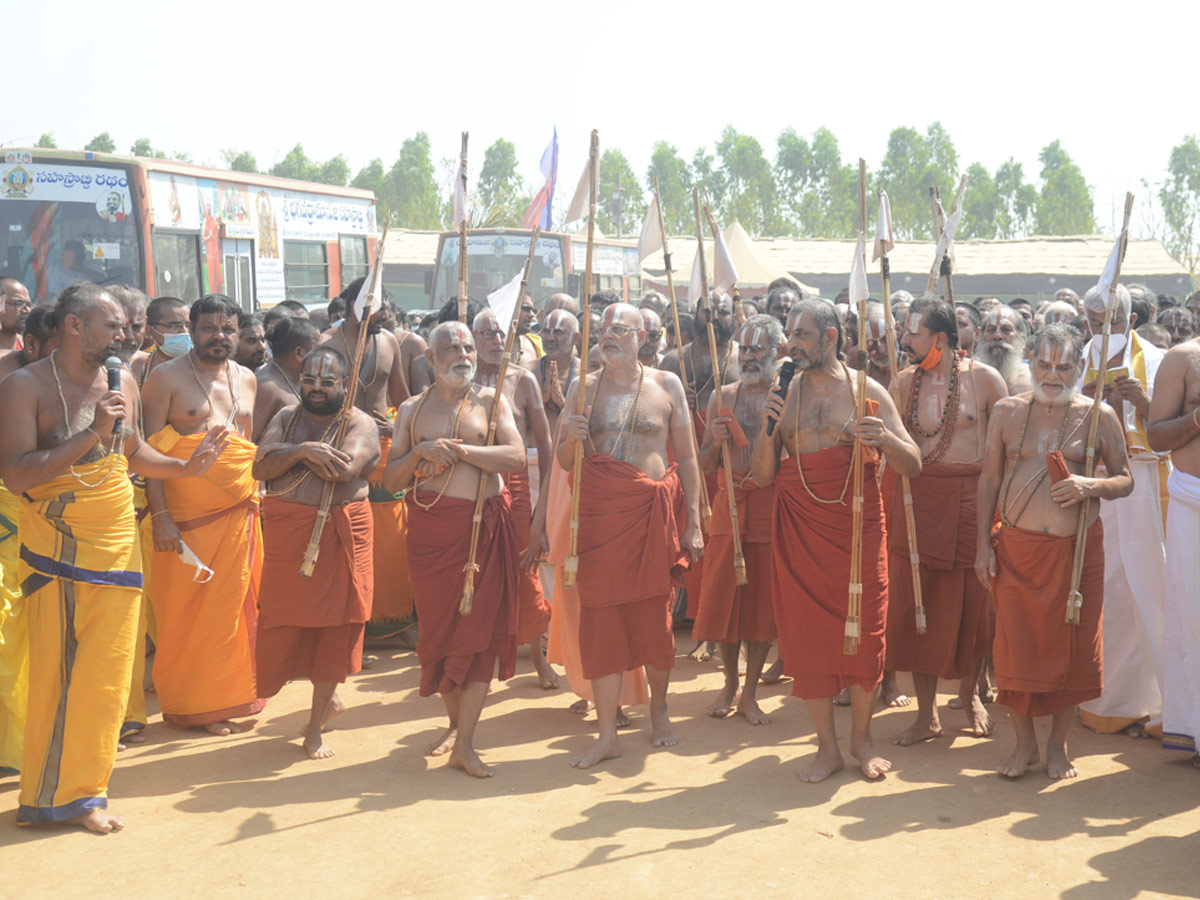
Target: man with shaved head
{"x":524,"y":397}
{"x":438,"y":456}
{"x":1066,"y":295}
{"x":639,"y":522}
{"x":650,"y":353}
{"x":1060,"y":312}
{"x":1002,"y":343}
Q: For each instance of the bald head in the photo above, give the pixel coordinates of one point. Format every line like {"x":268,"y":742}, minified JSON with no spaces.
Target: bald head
{"x":560,"y":301}
{"x":448,"y":333}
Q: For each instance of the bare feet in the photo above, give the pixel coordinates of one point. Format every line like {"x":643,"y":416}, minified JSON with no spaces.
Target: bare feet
{"x":722,"y":704}
{"x":336,"y":708}
{"x":602,"y":749}
{"x":316,"y":748}
{"x":843,"y":698}
{"x":1058,"y":764}
{"x":222,"y":729}
{"x":924,"y":729}
{"x":444,"y":744}
{"x":622,"y":718}
{"x":1024,"y":756}
{"x":663,"y":735}
{"x":872,"y":764}
{"x":547,"y":677}
{"x":100,"y":821}
{"x":754,"y":715}
{"x":702,"y":652}
{"x":134,"y":737}
{"x":1136,"y":730}
{"x":822,"y":766}
{"x":773,"y":675}
{"x":979,"y":720}
{"x":465,"y":758}
{"x":581,"y":707}
{"x":891,"y":695}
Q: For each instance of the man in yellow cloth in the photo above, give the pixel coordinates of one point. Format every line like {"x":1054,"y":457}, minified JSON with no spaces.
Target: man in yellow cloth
{"x":38,"y":340}
{"x":66,"y":453}
{"x":312,"y":627}
{"x":1036,"y":446}
{"x":207,"y":543}
{"x":1134,"y":556}
{"x":1175,"y":427}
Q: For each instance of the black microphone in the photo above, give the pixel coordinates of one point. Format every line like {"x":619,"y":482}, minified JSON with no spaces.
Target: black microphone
{"x":786,"y":371}
{"x":114,"y":384}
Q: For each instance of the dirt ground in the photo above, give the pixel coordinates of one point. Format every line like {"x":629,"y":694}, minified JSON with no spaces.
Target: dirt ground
{"x":720,"y":815}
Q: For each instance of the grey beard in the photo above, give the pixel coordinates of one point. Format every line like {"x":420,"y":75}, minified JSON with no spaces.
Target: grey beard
{"x":454,"y":380}
{"x":1063,"y":399}
{"x":764,"y":375}
{"x":1005,"y":358}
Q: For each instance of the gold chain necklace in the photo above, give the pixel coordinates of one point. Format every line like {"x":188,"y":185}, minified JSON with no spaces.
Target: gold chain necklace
{"x":289,"y":432}
{"x":278,"y":368}
{"x":841,"y":498}
{"x":111,"y":452}
{"x":236,"y":398}
{"x":412,"y":439}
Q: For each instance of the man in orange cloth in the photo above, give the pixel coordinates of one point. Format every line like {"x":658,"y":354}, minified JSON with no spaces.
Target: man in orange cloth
{"x":947,"y":400}
{"x":439,"y":456}
{"x":813,"y":532}
{"x":207,"y":542}
{"x":381,"y":386}
{"x":730,"y":614}
{"x":639,"y":523}
{"x":313,"y":627}
{"x":1036,"y":446}
{"x":66,"y":453}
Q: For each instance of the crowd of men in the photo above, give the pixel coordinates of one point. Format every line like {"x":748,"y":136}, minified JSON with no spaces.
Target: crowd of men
{"x":189,"y":479}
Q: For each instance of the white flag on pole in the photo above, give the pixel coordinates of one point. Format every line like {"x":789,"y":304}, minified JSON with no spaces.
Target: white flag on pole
{"x":724,"y":273}
{"x":696,"y":284}
{"x":460,"y":193}
{"x":1109,"y":275}
{"x":884,"y":240}
{"x":858,"y":273}
{"x":504,"y":299}
{"x":651,"y":237}
{"x":580,"y":202}
{"x":365,"y":304}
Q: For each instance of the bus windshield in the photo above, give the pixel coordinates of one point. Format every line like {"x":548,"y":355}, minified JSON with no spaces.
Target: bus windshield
{"x":61,"y":223}
{"x":493,"y":260}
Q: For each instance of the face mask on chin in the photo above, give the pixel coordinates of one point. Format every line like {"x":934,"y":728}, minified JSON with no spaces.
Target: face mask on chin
{"x":174,"y":345}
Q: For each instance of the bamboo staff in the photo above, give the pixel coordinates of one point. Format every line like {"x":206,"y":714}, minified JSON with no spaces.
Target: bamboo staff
{"x":510,"y":340}
{"x":462,"y":240}
{"x":854,"y":604}
{"x":571,"y":563}
{"x":910,"y":520}
{"x":688,"y":382}
{"x":739,"y":560}
{"x":313,"y":550}
{"x":1075,"y":598}
{"x":941,"y":262}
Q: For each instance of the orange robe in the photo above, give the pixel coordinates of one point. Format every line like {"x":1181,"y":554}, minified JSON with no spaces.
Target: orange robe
{"x":533,"y":610}
{"x":959,"y":615}
{"x":393,"y":595}
{"x":1043,"y":665}
{"x":452,"y":648}
{"x":630,"y":561}
{"x":563,"y":646}
{"x":204,"y":664}
{"x":730,"y":612}
{"x":811,"y":566}
{"x":313,"y":627}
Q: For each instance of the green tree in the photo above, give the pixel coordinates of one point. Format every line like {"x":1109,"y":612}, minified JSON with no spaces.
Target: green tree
{"x":1065,"y":203}
{"x":46,"y":142}
{"x":707,"y":176}
{"x":373,"y":177}
{"x":239,"y":161}
{"x":981,"y":204}
{"x":102,"y":143}
{"x":620,"y":206}
{"x":816,"y":192}
{"x":1180,"y":198}
{"x":500,"y":198}
{"x":142,"y":147}
{"x":412,"y":195}
{"x":749,"y":195}
{"x":334,"y":171}
{"x":1017,"y":201}
{"x":674,"y":187}
{"x":914,"y":163}
{"x":296,"y":165}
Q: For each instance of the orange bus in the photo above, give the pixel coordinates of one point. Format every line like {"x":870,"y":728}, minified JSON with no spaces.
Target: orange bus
{"x":496,"y":255}
{"x":177,"y":229}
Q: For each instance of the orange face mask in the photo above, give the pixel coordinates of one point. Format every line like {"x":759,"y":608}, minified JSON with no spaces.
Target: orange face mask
{"x":932,"y":358}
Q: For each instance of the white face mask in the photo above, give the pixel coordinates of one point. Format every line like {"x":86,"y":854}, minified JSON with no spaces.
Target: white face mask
{"x":1116,"y":344}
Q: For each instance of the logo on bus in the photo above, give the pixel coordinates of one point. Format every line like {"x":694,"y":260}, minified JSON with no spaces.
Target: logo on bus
{"x":17,"y":184}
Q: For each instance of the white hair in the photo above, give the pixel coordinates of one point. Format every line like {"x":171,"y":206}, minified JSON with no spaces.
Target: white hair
{"x":1093,"y":300}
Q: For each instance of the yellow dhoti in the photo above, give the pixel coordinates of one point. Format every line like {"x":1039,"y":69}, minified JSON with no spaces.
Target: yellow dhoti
{"x":14,"y":640}
{"x":81,"y":577}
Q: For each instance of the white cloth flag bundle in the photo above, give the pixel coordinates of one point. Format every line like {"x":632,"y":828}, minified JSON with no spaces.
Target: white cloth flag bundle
{"x":365,"y":303}
{"x":503,"y":301}
{"x":858,"y":273}
{"x":696,"y":284}
{"x":724,"y":273}
{"x":1109,"y":275}
{"x":581,"y":201}
{"x":884,"y":240}
{"x":651,"y":237}
{"x":460,"y":193}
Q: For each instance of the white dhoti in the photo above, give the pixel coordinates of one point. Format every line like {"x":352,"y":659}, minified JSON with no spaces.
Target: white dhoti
{"x":1181,"y":651}
{"x":1134,"y":564}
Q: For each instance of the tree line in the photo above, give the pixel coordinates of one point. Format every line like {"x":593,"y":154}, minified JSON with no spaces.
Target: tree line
{"x":806,"y":190}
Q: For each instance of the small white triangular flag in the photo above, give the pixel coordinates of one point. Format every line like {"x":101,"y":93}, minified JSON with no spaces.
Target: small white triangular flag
{"x":581,"y":201}
{"x":858,"y":273}
{"x":724,"y":272}
{"x":884,"y":241}
{"x":651,"y":237}
{"x":503,"y":301}
{"x":1109,"y":276}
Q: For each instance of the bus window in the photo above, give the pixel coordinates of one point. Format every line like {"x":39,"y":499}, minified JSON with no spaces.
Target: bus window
{"x":353,"y":251}
{"x":177,"y":265}
{"x":494,"y":259}
{"x":305,"y":270}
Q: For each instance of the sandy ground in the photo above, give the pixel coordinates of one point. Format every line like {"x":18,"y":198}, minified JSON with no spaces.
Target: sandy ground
{"x":720,"y":815}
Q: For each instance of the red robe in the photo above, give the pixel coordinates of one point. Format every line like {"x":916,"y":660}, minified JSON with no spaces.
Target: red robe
{"x":630,"y":561}
{"x":811,"y":572}
{"x":313,"y":627}
{"x":533,"y":610}
{"x":452,"y":648}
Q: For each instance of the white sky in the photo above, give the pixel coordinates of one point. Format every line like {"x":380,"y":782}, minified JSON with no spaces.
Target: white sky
{"x":1004,"y":78}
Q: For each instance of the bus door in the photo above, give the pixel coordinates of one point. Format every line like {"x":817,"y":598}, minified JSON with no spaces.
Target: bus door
{"x":238,"y":256}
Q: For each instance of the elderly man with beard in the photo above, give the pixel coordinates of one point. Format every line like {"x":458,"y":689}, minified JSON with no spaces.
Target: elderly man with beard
{"x":524,"y":398}
{"x":1134,"y":556}
{"x":1002,"y":345}
{"x":731,"y":614}
{"x":438,"y":456}
{"x":313,"y":627}
{"x":812,"y":532}
{"x":639,"y":523}
{"x":1036,"y":446}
